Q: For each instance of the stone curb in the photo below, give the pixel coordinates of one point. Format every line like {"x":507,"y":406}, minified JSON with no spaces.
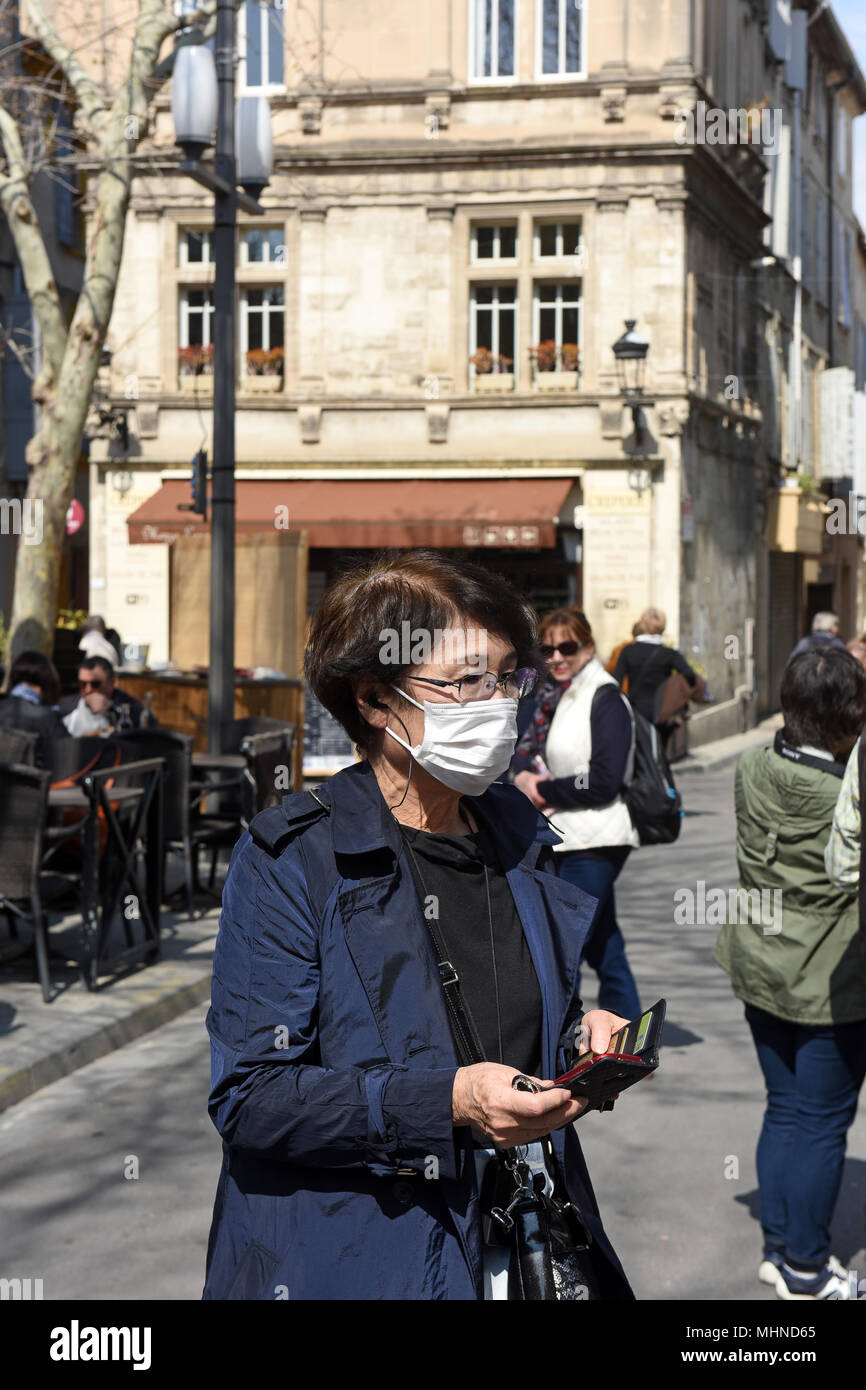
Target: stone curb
{"x":173,"y":999}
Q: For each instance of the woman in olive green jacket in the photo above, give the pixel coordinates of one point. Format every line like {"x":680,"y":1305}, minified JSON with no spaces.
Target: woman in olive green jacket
{"x":790,"y":947}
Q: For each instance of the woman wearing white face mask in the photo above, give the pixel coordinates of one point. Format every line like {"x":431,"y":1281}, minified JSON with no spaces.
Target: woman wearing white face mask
{"x":352,"y":917}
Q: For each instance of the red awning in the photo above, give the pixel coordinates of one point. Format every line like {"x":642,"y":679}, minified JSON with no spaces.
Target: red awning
{"x":509,"y":512}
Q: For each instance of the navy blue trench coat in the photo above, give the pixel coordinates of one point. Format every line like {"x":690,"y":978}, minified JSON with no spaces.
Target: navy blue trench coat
{"x":332,"y":1061}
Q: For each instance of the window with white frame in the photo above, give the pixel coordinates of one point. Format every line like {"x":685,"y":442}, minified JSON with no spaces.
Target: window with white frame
{"x":262,"y":327}
{"x":263,"y":246}
{"x":492,"y":328}
{"x":195,"y":332}
{"x":261,"y":45}
{"x":492,"y":39}
{"x":493,"y":242}
{"x":559,"y":38}
{"x":556,"y":240}
{"x":194,"y":246}
{"x":556,"y":326}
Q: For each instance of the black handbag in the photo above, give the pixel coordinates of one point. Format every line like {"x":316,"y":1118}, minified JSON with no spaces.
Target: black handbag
{"x":550,"y":1244}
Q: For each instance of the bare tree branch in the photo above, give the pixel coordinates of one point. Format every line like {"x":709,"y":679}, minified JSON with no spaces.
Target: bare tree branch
{"x":16,"y":203}
{"x":89,"y":96}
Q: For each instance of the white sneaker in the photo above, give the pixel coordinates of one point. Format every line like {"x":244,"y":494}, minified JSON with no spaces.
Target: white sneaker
{"x":768,"y":1269}
{"x":831,"y":1282}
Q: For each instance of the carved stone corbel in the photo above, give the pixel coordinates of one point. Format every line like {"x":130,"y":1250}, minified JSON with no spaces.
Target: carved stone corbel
{"x":613,"y":103}
{"x":438,"y":419}
{"x":310,"y":423}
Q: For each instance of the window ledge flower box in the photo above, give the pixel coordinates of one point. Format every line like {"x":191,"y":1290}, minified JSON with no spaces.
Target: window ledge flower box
{"x":261,"y":385}
{"x":493,"y":383}
{"x":192,"y":385}
{"x":556,"y":381}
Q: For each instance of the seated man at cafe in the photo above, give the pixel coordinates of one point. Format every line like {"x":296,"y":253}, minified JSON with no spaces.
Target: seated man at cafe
{"x":101,"y":706}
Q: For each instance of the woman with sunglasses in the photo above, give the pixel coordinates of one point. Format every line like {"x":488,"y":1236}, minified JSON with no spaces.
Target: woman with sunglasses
{"x":574,"y":769}
{"x":355,"y":1132}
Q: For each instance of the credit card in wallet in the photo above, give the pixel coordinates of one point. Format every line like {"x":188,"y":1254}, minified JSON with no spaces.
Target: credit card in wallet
{"x":631,"y":1054}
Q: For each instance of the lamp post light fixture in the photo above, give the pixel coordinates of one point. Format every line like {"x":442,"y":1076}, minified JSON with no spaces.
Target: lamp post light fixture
{"x":205,"y":113}
{"x":108,"y":421}
{"x":630,"y":352}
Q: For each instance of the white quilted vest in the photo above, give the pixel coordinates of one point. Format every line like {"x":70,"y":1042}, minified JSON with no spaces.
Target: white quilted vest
{"x":568,"y":753}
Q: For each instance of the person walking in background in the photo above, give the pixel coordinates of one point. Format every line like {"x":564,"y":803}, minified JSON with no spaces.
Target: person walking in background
{"x":610,"y":664}
{"x":646,"y":666}
{"x":825,"y":633}
{"x":797,"y":967}
{"x":97,"y":641}
{"x":574,"y":768}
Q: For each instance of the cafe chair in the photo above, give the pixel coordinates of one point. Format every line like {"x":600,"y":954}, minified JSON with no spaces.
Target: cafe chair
{"x":267,"y":754}
{"x":18,"y":746}
{"x":24,"y":887}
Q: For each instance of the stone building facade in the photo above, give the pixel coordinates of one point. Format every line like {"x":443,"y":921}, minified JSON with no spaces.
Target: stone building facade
{"x":470,"y":198}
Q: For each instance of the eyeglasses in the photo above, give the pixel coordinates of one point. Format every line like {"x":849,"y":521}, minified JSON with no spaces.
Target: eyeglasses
{"x":564,"y":649}
{"x":514,"y":684}
{"x":91,"y":685}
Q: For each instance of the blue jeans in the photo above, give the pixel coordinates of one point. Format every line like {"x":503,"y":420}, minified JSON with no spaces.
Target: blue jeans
{"x":595,"y":871}
{"x":813,"y":1077}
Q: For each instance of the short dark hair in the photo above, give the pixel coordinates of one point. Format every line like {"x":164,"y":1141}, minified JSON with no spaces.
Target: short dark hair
{"x":823,"y":697}
{"x":90,"y":663}
{"x":35,"y":669}
{"x":430,"y":590}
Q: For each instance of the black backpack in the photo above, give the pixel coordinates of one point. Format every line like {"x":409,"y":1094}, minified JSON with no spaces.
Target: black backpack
{"x":653,"y":802}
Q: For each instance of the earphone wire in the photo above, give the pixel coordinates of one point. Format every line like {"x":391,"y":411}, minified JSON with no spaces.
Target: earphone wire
{"x":399,"y":803}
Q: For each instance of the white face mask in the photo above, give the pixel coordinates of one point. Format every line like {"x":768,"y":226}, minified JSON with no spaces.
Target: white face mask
{"x":465,"y":746}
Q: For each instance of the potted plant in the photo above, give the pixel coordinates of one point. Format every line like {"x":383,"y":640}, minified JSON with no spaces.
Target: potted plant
{"x":195,"y":367}
{"x":492,"y":374}
{"x":264,"y":370}
{"x":555,"y":369}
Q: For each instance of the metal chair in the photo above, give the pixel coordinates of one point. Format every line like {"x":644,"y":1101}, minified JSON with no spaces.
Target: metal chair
{"x":18,"y":746}
{"x":234,"y":731}
{"x":186,"y":828}
{"x":266,"y":754}
{"x":23,"y":813}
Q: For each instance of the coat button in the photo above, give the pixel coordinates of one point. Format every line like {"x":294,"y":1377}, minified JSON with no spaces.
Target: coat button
{"x":403,"y":1193}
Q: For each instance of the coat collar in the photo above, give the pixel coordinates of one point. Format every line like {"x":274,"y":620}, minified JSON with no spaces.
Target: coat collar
{"x":362,"y":823}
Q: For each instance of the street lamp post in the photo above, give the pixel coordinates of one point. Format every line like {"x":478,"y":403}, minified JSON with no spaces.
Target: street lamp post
{"x":221,"y":676}
{"x":197,"y":98}
{"x":630,"y":352}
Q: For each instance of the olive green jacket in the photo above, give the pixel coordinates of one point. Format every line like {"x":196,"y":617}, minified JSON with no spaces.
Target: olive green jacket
{"x":800,"y":959}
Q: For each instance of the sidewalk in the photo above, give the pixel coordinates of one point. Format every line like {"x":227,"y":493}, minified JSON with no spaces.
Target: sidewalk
{"x":710,"y":757}
{"x":41,"y":1042}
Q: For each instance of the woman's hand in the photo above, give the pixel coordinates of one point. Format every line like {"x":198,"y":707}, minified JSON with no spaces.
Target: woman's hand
{"x":484,"y":1097}
{"x":527,"y":782}
{"x":599,"y":1025}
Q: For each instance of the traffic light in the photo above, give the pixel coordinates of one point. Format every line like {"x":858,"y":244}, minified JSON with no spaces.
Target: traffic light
{"x":197,"y":486}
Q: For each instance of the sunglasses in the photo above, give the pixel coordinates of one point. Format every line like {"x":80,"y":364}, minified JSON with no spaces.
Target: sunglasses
{"x":91,"y":685}
{"x":564,"y":649}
